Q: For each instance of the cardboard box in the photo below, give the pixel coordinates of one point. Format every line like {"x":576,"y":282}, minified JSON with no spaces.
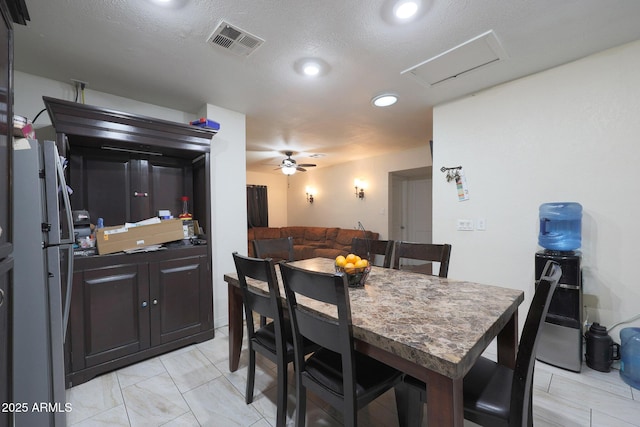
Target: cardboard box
{"x":120,"y":238}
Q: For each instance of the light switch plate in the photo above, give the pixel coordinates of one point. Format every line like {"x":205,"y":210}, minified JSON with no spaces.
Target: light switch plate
{"x":465,"y":225}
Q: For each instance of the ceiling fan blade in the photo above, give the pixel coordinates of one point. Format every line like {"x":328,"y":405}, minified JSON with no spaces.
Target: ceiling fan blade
{"x":307,"y":165}
{"x":301,"y":169}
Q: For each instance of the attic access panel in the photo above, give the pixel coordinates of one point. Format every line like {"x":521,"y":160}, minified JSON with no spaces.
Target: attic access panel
{"x":469,"y":56}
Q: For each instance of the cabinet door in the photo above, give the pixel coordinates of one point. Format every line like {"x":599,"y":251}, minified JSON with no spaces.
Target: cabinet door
{"x":126,"y":187}
{"x":103,"y":185}
{"x":181,"y":299}
{"x":109,"y":314}
{"x":169,"y":180}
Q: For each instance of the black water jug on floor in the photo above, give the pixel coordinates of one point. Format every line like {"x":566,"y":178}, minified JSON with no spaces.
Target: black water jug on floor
{"x":601,"y":350}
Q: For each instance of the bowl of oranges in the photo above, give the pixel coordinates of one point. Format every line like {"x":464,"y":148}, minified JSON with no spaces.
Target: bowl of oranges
{"x":357,"y":269}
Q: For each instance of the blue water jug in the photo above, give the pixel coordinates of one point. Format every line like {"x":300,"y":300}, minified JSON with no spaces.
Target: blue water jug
{"x":560,"y":226}
{"x":630,"y":356}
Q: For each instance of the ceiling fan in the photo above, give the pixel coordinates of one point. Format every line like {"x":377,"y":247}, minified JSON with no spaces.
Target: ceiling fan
{"x":289,"y":166}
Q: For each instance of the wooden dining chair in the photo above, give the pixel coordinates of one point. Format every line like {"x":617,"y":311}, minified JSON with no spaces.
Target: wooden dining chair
{"x":367,"y":248}
{"x":422,"y":252}
{"x":344,"y":378}
{"x":273,"y":340}
{"x":277,"y":249}
{"x":496,"y":395}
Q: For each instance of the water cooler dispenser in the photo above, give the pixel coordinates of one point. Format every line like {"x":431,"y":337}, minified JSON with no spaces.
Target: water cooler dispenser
{"x":560,"y":341}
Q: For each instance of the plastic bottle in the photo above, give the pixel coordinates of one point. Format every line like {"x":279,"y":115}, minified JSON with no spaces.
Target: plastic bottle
{"x":185,"y":209}
{"x":560,"y":226}
{"x":630,"y":356}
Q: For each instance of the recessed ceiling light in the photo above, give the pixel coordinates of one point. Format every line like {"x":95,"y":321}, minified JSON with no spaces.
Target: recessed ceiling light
{"x":311,"y":67}
{"x":406,"y":9}
{"x":384,"y":100}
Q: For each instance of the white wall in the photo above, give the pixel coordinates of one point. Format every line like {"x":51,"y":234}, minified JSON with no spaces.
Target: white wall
{"x":227,"y":165}
{"x":335,"y":203}
{"x":228,"y":201}
{"x":276,"y":195}
{"x":566,"y":134}
{"x":30,"y":89}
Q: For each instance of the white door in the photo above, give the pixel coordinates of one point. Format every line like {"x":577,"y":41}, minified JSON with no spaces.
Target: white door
{"x":411,"y":205}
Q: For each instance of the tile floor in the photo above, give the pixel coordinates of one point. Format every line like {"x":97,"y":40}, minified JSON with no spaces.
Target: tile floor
{"x":193,"y":387}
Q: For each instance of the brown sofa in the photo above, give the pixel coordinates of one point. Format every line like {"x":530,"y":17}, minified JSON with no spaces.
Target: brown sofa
{"x":310,"y":242}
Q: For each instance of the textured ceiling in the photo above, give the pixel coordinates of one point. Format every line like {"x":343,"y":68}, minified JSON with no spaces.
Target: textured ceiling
{"x":160,"y":55}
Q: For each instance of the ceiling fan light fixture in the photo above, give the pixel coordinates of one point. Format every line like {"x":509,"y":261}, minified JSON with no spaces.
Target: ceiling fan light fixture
{"x":288,"y":170}
{"x":384,"y":100}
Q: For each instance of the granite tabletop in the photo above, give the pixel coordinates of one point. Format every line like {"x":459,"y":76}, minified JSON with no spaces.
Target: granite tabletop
{"x":440,"y":324}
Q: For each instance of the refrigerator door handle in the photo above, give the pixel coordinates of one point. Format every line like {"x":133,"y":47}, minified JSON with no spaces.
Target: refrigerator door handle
{"x":67,"y":206}
{"x":55,"y":183}
{"x":67,"y":299}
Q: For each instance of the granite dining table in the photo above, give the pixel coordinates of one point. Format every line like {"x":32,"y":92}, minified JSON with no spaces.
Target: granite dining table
{"x":429,"y":327}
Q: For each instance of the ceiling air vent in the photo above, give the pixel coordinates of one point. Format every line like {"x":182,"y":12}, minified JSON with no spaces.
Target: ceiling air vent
{"x":471,"y":55}
{"x":234,"y":40}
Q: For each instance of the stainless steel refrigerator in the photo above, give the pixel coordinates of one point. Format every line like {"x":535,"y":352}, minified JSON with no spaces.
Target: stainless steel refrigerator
{"x":43,"y":270}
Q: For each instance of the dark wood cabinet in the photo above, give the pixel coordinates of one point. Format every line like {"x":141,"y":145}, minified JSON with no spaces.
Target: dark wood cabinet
{"x":127,"y":187}
{"x":125,"y":168}
{"x":6,"y":265}
{"x":178,"y":309}
{"x":108,"y":319}
{"x":126,"y":308}
{"x":6,"y":248}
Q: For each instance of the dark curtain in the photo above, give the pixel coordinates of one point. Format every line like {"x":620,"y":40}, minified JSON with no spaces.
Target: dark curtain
{"x":257,"y":206}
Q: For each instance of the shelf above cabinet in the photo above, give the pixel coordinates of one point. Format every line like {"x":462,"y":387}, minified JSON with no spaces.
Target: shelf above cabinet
{"x":115,"y":130}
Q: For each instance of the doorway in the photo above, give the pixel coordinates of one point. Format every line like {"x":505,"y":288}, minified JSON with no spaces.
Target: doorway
{"x":410,"y":203}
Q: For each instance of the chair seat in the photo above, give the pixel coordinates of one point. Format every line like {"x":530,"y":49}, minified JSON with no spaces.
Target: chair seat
{"x":325,"y":367}
{"x":487,"y":393}
{"x":266,"y":338}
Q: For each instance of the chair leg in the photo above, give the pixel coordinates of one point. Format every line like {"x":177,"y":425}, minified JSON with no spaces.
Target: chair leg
{"x":409,"y":402}
{"x":281,"y":411}
{"x":251,"y":375}
{"x":301,"y":403}
{"x":350,"y":415}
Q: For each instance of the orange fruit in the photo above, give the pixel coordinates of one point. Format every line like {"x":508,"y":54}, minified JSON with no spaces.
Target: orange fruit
{"x":349,"y":268}
{"x":362,"y":263}
{"x":351,"y":258}
{"x":340,"y":261}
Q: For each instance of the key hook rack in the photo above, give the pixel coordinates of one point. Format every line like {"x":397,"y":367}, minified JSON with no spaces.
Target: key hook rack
{"x":452,"y":173}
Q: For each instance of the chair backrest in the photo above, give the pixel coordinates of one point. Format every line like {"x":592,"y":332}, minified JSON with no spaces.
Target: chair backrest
{"x":268,"y":305}
{"x":332,"y":334}
{"x":522,"y":384}
{"x":367,"y":248}
{"x":277,"y":249}
{"x":423,"y":252}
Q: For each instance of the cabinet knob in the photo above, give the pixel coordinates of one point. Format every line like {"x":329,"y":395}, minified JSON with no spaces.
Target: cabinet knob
{"x":144,"y":304}
{"x":155,"y":302}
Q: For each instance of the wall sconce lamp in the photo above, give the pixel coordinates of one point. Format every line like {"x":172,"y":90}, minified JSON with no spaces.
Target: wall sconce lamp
{"x":360,"y":186}
{"x":309,"y":195}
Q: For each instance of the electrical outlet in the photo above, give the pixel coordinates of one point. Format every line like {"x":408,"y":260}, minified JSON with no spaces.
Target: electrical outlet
{"x":481,"y":224}
{"x":465,"y":225}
